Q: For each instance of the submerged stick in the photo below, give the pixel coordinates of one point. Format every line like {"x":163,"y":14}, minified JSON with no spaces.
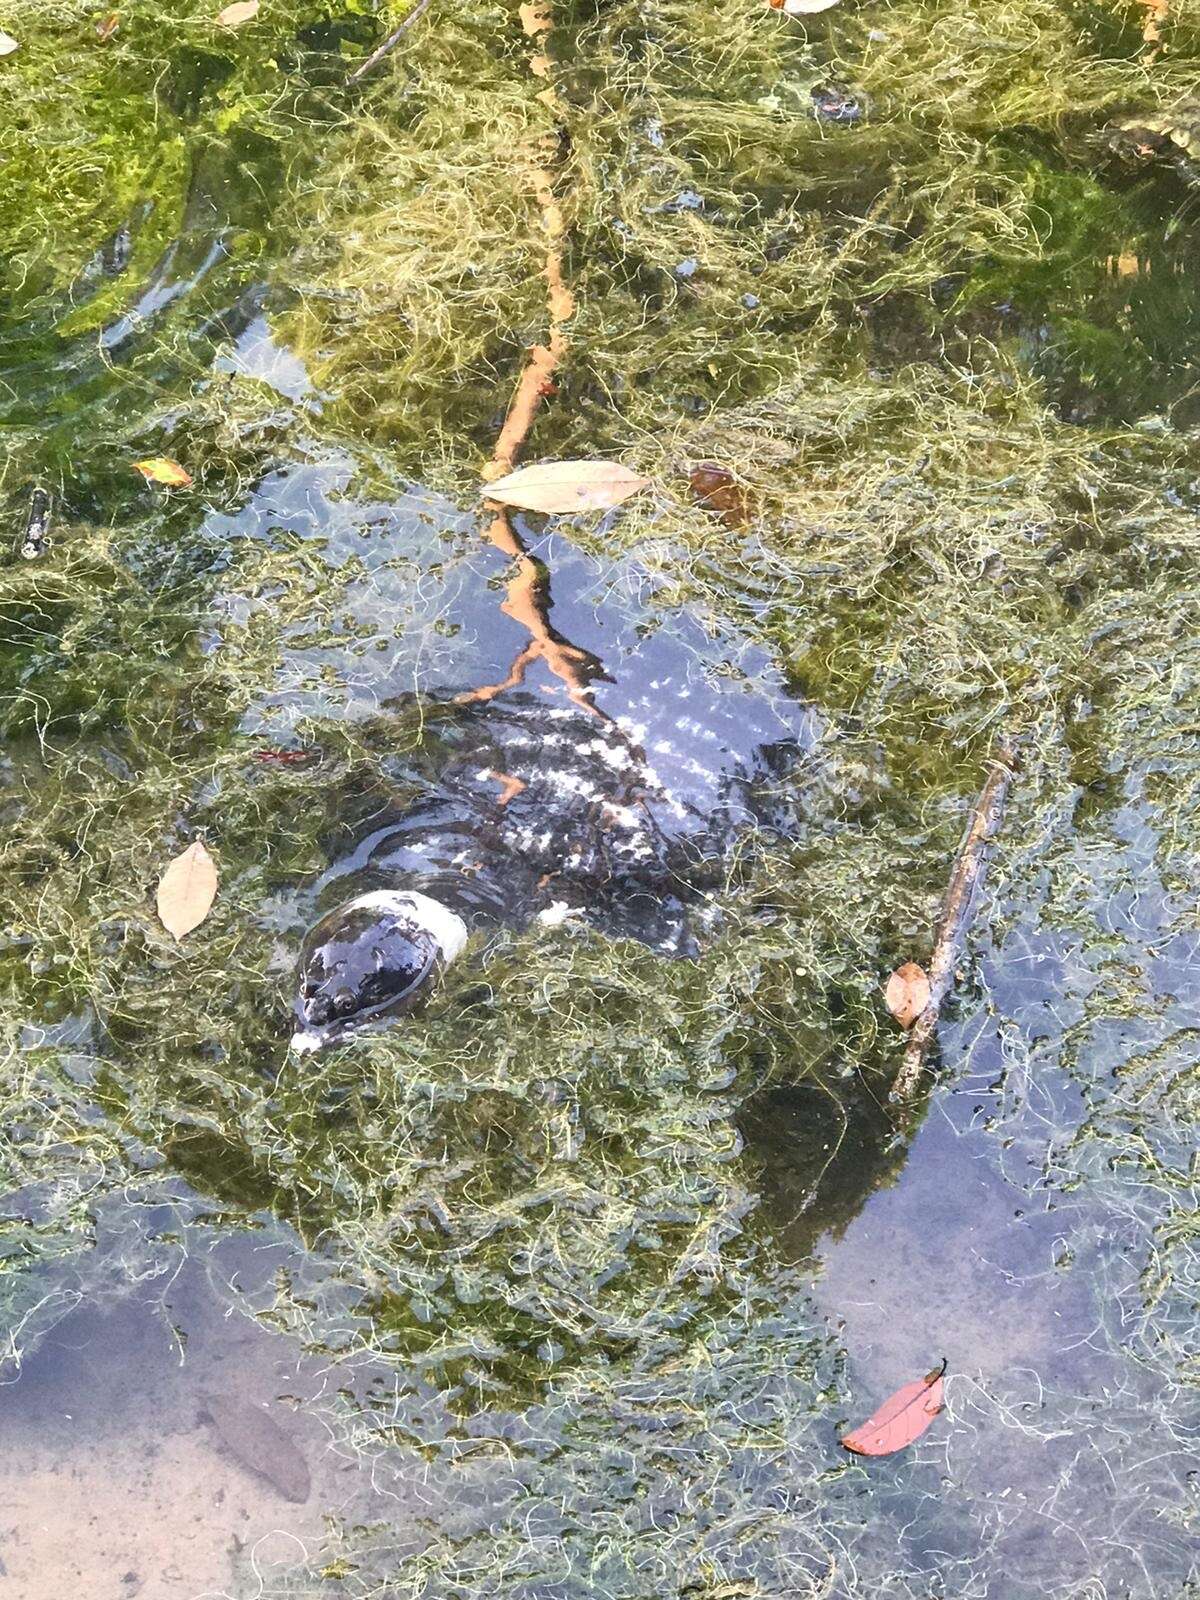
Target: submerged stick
{"x":970,"y":866}
{"x":390,"y":43}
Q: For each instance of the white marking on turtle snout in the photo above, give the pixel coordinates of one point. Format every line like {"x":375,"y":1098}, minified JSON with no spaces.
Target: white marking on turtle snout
{"x":556,"y":914}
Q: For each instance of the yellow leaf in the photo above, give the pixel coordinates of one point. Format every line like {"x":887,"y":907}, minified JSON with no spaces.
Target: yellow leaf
{"x":187,"y":890}
{"x":566,"y":486}
{"x":161,"y":469}
{"x":907,"y":993}
{"x":8,"y":44}
{"x":107,"y":26}
{"x":241,"y":11}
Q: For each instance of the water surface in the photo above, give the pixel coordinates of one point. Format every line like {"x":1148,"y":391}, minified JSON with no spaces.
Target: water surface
{"x":569,"y":1285}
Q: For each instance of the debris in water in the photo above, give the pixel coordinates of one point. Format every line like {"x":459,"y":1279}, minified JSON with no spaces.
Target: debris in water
{"x":907,"y":993}
{"x":233,"y":16}
{"x":161,"y":469}
{"x":187,"y":890}
{"x":8,"y":44}
{"x":35,"y":541}
{"x":1157,"y":13}
{"x":832,"y":103}
{"x":966,"y":880}
{"x":900,"y":1419}
{"x":256,"y":1441}
{"x":283,"y":758}
{"x":554,"y":486}
{"x":107,"y":26}
{"x":716,"y":489}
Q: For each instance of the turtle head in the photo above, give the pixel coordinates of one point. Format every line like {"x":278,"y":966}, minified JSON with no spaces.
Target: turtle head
{"x":370,"y":959}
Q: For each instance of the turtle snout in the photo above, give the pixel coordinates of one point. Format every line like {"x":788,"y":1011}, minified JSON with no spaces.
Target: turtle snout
{"x":323,"y":1008}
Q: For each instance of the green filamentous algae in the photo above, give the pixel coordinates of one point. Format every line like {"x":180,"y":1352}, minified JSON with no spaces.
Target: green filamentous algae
{"x":568,"y":1283}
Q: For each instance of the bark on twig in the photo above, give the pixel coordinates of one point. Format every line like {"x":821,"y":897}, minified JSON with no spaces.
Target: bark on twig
{"x":970,"y":866}
{"x":390,"y":43}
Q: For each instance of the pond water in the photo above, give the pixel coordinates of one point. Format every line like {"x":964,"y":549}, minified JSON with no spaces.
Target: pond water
{"x":569,"y":1283}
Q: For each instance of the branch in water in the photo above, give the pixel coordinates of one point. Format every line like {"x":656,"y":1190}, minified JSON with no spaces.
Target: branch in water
{"x":390,"y":43}
{"x":970,"y":867}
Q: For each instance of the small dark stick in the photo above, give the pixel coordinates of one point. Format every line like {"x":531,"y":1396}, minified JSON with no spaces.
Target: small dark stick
{"x":970,"y":866}
{"x":390,"y":43}
{"x":35,"y":541}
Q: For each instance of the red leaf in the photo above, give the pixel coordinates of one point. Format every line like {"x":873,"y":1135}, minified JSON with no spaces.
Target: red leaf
{"x":283,"y":758}
{"x":901,"y":1419}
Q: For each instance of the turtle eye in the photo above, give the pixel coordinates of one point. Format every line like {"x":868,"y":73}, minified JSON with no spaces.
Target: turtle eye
{"x":344,"y":1002}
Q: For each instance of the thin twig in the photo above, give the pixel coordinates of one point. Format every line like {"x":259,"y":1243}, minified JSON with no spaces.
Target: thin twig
{"x":390,"y":43}
{"x":966,"y":878}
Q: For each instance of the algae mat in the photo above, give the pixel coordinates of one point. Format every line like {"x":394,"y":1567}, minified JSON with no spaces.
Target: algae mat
{"x":569,"y":1286}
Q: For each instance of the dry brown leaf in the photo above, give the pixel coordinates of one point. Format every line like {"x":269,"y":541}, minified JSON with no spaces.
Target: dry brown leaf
{"x":187,"y":890}
{"x":8,"y":44}
{"x":900,"y":1419}
{"x":107,"y":26}
{"x":717,"y":489}
{"x":240,"y":11}
{"x":161,"y":469}
{"x":907,"y":993}
{"x":555,"y":486}
{"x":1157,"y":13}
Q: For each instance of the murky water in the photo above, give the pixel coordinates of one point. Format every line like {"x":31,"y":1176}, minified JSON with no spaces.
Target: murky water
{"x":568,"y":1284}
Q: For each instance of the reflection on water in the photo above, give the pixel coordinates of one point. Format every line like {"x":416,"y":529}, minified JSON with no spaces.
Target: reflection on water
{"x":567,"y":741}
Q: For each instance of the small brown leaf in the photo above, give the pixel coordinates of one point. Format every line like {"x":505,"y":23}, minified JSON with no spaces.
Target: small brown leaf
{"x":107,"y":26}
{"x":907,"y":993}
{"x":240,"y":11}
{"x":161,"y":469}
{"x":900,"y":1419}
{"x":8,"y":44}
{"x":187,"y":890}
{"x":806,"y":8}
{"x":718,"y":490}
{"x":556,"y":486}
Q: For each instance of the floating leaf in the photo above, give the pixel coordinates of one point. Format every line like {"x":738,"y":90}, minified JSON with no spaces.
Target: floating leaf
{"x":8,"y":44}
{"x":901,"y":1419}
{"x":907,"y":993}
{"x":567,"y":486}
{"x":187,"y":890}
{"x":107,"y":26}
{"x":240,"y":11}
{"x":161,"y":469}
